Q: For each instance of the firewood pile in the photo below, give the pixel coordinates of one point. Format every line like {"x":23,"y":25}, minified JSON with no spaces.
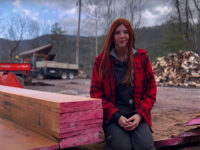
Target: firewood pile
{"x":178,"y":69}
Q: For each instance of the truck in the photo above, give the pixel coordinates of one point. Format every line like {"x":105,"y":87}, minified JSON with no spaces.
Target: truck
{"x":43,"y":64}
{"x":53,"y":69}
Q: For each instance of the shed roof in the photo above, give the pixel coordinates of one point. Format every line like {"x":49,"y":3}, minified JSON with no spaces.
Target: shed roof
{"x":39,"y":51}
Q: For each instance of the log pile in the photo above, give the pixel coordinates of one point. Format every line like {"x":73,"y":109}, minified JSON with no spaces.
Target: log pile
{"x":69,"y":120}
{"x":178,"y":69}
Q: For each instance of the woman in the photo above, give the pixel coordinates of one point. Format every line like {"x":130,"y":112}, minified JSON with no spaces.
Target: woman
{"x":123,"y":78}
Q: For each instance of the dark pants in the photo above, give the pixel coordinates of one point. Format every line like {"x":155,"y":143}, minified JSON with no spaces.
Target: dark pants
{"x":119,"y":139}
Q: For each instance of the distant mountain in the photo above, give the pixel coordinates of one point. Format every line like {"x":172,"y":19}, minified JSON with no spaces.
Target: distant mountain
{"x":64,"y":46}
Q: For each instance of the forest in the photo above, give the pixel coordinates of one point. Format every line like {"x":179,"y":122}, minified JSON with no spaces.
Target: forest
{"x":180,"y":30}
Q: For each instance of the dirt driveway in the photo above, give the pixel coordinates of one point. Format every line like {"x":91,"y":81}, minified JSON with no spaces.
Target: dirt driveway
{"x":174,"y":106}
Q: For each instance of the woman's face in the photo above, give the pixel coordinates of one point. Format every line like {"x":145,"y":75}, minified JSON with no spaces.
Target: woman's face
{"x":121,"y":36}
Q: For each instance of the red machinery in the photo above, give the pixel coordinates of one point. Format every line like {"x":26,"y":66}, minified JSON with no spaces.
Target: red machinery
{"x":14,"y":74}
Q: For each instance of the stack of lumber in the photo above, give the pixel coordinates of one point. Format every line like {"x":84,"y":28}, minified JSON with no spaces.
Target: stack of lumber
{"x":15,"y":137}
{"x":68,"y":120}
{"x":178,"y":69}
{"x":189,"y":137}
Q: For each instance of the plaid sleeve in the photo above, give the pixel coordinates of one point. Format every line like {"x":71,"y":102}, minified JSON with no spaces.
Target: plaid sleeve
{"x":97,"y":91}
{"x":149,"y":90}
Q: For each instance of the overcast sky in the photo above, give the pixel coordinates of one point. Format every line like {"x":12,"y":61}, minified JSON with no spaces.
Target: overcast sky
{"x":65,"y":12}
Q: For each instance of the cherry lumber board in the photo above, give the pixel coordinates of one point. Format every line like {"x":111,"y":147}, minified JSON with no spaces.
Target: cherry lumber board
{"x":182,"y":138}
{"x":40,"y":117}
{"x":66,"y":130}
{"x":190,"y":133}
{"x":195,"y":121}
{"x":80,"y":106}
{"x":81,"y":123}
{"x":48,"y":119}
{"x":15,"y":137}
{"x":34,"y":120}
{"x":64,"y":107}
{"x":26,"y":124}
{"x":81,"y":140}
{"x":23,"y":102}
{"x":81,"y":132}
{"x":33,"y":113}
{"x":83,"y":115}
{"x":50,"y":100}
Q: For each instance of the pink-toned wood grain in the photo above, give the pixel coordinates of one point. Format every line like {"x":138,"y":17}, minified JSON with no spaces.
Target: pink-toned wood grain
{"x":190,"y":133}
{"x":80,"y":106}
{"x":83,"y":115}
{"x":80,"y":140}
{"x":195,"y":121}
{"x":81,"y":132}
{"x":15,"y":137}
{"x":66,"y":130}
{"x":44,"y":97}
{"x":81,"y":123}
{"x":182,"y":138}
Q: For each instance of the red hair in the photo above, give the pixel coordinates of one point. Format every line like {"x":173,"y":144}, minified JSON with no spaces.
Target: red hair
{"x":109,"y":44}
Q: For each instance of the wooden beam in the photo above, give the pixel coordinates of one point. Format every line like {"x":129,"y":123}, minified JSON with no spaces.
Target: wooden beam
{"x":13,"y":136}
{"x":69,"y":120}
{"x":191,"y":136}
{"x":195,"y":121}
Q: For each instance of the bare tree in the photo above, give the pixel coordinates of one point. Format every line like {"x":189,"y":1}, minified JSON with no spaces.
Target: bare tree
{"x":107,"y":14}
{"x":133,"y":11}
{"x":15,"y":31}
{"x":197,"y":5}
{"x":33,"y":29}
{"x":94,"y":19}
{"x":78,"y":33}
{"x":186,"y":23}
{"x":1,"y":25}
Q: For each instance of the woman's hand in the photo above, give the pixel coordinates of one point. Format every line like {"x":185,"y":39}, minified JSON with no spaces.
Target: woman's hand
{"x":133,"y":122}
{"x":122,"y":122}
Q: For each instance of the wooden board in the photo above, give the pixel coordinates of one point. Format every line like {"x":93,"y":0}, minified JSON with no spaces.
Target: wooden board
{"x":81,"y":123}
{"x":54,"y":64}
{"x":78,"y":128}
{"x":14,"y":137}
{"x":52,"y":100}
{"x":195,"y":121}
{"x":191,"y":136}
{"x":81,"y":115}
{"x":81,"y":132}
{"x":72,"y":119}
{"x":81,"y":140}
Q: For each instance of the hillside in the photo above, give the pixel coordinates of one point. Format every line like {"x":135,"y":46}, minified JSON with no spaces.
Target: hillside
{"x":64,"y":46}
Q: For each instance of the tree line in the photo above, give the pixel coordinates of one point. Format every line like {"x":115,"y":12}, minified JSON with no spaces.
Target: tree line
{"x":182,"y":28}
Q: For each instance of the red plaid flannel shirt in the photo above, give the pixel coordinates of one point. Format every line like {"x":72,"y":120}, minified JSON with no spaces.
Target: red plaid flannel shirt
{"x":144,"y":86}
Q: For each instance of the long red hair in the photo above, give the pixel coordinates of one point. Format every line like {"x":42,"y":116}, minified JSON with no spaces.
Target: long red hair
{"x":109,"y":44}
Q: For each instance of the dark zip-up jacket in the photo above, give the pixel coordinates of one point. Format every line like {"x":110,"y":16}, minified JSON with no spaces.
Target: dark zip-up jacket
{"x":144,"y":89}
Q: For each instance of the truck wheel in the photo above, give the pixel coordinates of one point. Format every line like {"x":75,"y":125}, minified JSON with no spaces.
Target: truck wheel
{"x":20,"y":80}
{"x":64,"y":76}
{"x":71,"y":75}
{"x":39,"y":76}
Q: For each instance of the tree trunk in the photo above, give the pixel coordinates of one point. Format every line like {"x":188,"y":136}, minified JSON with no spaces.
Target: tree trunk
{"x":78,"y":34}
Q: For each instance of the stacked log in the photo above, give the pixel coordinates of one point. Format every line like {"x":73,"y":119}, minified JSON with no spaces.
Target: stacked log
{"x":69,"y":120}
{"x":178,"y":69}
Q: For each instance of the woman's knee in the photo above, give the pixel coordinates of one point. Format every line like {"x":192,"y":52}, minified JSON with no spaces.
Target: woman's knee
{"x":117,"y":138}
{"x":118,"y":145}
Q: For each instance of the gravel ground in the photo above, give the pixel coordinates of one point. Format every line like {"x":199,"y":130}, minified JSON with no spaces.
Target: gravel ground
{"x":174,"y":106}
